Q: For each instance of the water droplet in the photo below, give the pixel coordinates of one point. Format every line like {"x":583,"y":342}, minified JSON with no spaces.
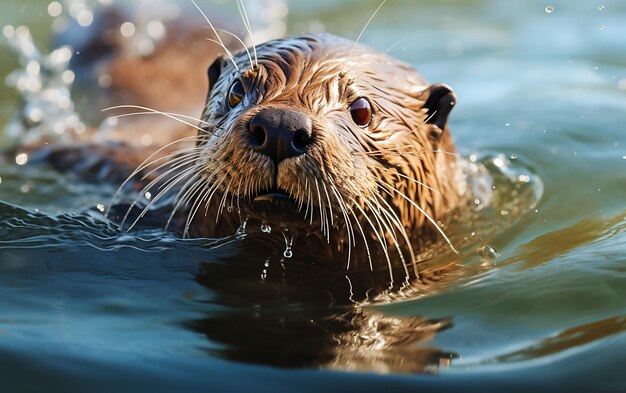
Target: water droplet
{"x":288,"y":243}
{"x":68,"y":76}
{"x":266,"y":228}
{"x":156,"y":29}
{"x":8,"y":31}
{"x":477,"y":201}
{"x":229,"y":209}
{"x":507,"y":124}
{"x":146,"y":140}
{"x":25,"y":189}
{"x":595,"y":67}
{"x":85,"y":18}
{"x":21,"y":159}
{"x":504,"y":212}
{"x":127,"y":29}
{"x":623,"y":157}
{"x":105,"y":81}
{"x":100,"y":207}
{"x":549,"y":9}
{"x":600,"y":8}
{"x":488,"y":252}
{"x":242,"y":228}
{"x":601,"y":27}
{"x":513,"y":156}
{"x":148,"y":195}
{"x":54,"y":9}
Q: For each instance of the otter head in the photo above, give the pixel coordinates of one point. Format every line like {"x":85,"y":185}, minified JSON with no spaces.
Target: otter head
{"x":328,"y":138}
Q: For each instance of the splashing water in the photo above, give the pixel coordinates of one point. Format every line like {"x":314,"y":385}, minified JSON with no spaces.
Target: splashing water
{"x":44,"y":81}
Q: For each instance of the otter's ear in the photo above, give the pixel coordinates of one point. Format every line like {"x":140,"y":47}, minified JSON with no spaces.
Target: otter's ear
{"x":215,"y":70}
{"x":439,"y":103}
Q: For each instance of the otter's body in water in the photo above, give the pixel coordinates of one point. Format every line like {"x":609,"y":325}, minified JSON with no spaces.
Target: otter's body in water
{"x":343,"y":151}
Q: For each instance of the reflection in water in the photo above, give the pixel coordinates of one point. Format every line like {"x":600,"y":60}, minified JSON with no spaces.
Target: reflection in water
{"x":278,"y":314}
{"x":567,"y":339}
{"x":549,"y":246}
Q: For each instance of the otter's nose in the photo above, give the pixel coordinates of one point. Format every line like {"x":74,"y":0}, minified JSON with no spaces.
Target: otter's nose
{"x":280,"y":133}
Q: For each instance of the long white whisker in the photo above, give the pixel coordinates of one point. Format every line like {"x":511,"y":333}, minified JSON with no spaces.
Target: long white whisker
{"x":384,"y":220}
{"x":150,"y":110}
{"x":367,"y":248}
{"x":172,"y":183}
{"x":393,"y":217}
{"x":425,"y":215}
{"x":400,"y":40}
{"x":416,"y":181}
{"x":230,"y":55}
{"x":365,"y":27}
{"x":246,"y":22}
{"x":185,"y":191}
{"x":245,"y":47}
{"x":147,"y":162}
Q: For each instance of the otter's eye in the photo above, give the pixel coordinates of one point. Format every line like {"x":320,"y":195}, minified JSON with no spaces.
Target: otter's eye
{"x":235,"y":94}
{"x":361,"y":112}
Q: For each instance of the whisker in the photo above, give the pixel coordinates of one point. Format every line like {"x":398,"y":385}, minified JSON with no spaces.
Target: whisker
{"x":346,"y":220}
{"x":230,"y":55}
{"x":156,"y":111}
{"x":246,"y":22}
{"x":424,"y":213}
{"x":384,"y":220}
{"x":381,"y":241}
{"x":365,"y":27}
{"x":404,"y":149}
{"x":400,"y":40}
{"x":367,"y":248}
{"x":147,"y":162}
{"x":204,"y":191}
{"x":171,"y":182}
{"x":184,"y":191}
{"x":235,"y":36}
{"x":322,"y":212}
{"x":395,"y":220}
{"x":415,"y":181}
{"x":173,"y":116}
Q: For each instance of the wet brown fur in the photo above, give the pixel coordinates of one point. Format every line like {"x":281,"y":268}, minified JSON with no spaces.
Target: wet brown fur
{"x":351,"y":173}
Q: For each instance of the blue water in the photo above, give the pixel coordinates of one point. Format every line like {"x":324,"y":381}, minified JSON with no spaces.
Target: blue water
{"x":85,"y":307}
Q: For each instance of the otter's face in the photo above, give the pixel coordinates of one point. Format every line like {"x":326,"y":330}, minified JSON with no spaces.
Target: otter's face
{"x":329,"y":138}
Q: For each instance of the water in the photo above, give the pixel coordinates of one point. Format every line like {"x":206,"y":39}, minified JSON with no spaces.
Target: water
{"x":536,"y":299}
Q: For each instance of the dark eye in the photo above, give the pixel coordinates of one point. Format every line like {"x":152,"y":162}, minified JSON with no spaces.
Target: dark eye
{"x":236,"y":93}
{"x":361,"y":112}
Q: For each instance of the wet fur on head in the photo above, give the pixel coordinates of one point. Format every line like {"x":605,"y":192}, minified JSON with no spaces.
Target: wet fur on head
{"x":387,"y":183}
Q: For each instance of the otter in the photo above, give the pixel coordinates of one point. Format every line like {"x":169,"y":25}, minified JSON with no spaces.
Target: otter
{"x":327,"y":137}
{"x":343,"y":150}
{"x":337,"y":151}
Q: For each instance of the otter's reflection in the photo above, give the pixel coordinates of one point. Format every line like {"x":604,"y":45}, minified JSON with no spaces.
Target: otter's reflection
{"x":288,"y":313}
